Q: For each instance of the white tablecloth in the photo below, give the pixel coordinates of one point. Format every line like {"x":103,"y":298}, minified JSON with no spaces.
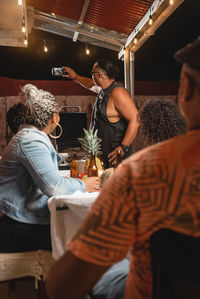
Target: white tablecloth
{"x":67,"y":213}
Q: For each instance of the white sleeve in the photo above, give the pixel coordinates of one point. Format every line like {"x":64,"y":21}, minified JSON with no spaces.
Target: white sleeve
{"x":96,"y":88}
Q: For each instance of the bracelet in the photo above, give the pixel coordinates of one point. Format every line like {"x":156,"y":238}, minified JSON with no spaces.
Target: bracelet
{"x":124,"y":147}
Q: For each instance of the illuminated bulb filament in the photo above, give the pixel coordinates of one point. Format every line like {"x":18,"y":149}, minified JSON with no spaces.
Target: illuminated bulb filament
{"x":45,"y":49}
{"x":20,"y":2}
{"x":87,"y":51}
{"x":135,"y":40}
{"x":23,"y":29}
{"x":25,"y":42}
{"x":171,"y":2}
{"x":150,"y":21}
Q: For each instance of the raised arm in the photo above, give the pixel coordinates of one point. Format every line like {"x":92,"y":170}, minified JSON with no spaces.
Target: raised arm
{"x":84,"y":81}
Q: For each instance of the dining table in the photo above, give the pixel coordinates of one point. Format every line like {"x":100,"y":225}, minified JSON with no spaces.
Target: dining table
{"x":66,"y":215}
{"x":67,"y":212}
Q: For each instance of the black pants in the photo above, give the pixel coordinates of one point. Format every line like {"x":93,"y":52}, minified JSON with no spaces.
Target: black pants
{"x":20,"y":237}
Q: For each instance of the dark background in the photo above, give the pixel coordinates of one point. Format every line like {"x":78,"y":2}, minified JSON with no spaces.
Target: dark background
{"x":154,"y":61}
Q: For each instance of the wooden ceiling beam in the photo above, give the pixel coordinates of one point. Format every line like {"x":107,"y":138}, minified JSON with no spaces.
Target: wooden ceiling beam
{"x":160,"y":11}
{"x":80,"y":21}
{"x":46,"y":18}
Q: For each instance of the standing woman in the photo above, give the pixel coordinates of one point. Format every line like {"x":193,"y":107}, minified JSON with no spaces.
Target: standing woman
{"x":29,"y":176}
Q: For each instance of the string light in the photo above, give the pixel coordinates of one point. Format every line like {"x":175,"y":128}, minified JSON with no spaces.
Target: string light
{"x":20,"y":2}
{"x":23,"y":28}
{"x":25,"y":41}
{"x":92,"y":29}
{"x":150,"y":20}
{"x":45,"y":46}
{"x":87,"y":51}
{"x":45,"y":43}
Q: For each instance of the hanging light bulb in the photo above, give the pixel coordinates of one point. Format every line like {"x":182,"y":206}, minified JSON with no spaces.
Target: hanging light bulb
{"x":25,"y":41}
{"x":150,"y":20}
{"x":45,"y":47}
{"x":23,"y":28}
{"x":20,"y":2}
{"x":135,"y":40}
{"x":171,"y":2}
{"x":87,"y":51}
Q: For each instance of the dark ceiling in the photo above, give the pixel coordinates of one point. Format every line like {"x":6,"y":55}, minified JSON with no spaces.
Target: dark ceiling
{"x":153,"y":61}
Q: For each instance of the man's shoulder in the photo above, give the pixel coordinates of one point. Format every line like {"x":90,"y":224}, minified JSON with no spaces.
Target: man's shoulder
{"x":118,"y":90}
{"x":118,"y":86}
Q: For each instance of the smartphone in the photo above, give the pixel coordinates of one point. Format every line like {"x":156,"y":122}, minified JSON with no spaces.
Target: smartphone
{"x":58,"y":71}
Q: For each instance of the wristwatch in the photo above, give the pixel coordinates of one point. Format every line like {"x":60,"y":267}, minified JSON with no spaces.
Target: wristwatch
{"x":124,"y":147}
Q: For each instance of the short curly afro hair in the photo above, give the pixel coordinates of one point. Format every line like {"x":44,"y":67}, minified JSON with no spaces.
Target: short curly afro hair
{"x":159,"y":121}
{"x":15,"y":117}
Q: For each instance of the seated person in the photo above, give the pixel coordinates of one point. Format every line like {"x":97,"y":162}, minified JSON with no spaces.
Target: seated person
{"x":159,"y":120}
{"x":15,"y":117}
{"x":29,"y":176}
{"x":155,"y":188}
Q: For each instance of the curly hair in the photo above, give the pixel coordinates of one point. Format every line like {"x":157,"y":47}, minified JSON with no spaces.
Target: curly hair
{"x":111,"y":70}
{"x":159,"y":121}
{"x":15,"y":117}
{"x":41,"y":105}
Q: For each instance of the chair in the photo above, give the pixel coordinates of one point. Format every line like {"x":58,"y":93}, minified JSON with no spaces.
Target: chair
{"x":26,"y":264}
{"x":175,"y":265}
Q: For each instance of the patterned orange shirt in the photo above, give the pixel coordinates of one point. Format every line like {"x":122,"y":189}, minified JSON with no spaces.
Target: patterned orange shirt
{"x":156,"y":188}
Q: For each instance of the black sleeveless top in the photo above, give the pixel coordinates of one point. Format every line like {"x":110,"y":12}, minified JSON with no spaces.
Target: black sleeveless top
{"x":111,"y":134}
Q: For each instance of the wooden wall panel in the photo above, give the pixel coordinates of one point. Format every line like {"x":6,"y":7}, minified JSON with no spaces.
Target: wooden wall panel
{"x":9,"y":87}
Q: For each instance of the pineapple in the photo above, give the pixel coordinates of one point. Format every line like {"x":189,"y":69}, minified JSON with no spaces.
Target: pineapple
{"x":91,"y":144}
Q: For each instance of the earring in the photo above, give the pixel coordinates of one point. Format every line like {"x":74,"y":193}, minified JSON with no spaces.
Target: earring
{"x":58,"y":136}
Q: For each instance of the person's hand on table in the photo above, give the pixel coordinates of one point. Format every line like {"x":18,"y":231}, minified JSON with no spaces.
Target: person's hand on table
{"x":92,"y":184}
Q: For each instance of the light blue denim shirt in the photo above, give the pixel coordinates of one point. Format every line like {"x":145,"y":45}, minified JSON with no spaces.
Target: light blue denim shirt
{"x":29,"y":176}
